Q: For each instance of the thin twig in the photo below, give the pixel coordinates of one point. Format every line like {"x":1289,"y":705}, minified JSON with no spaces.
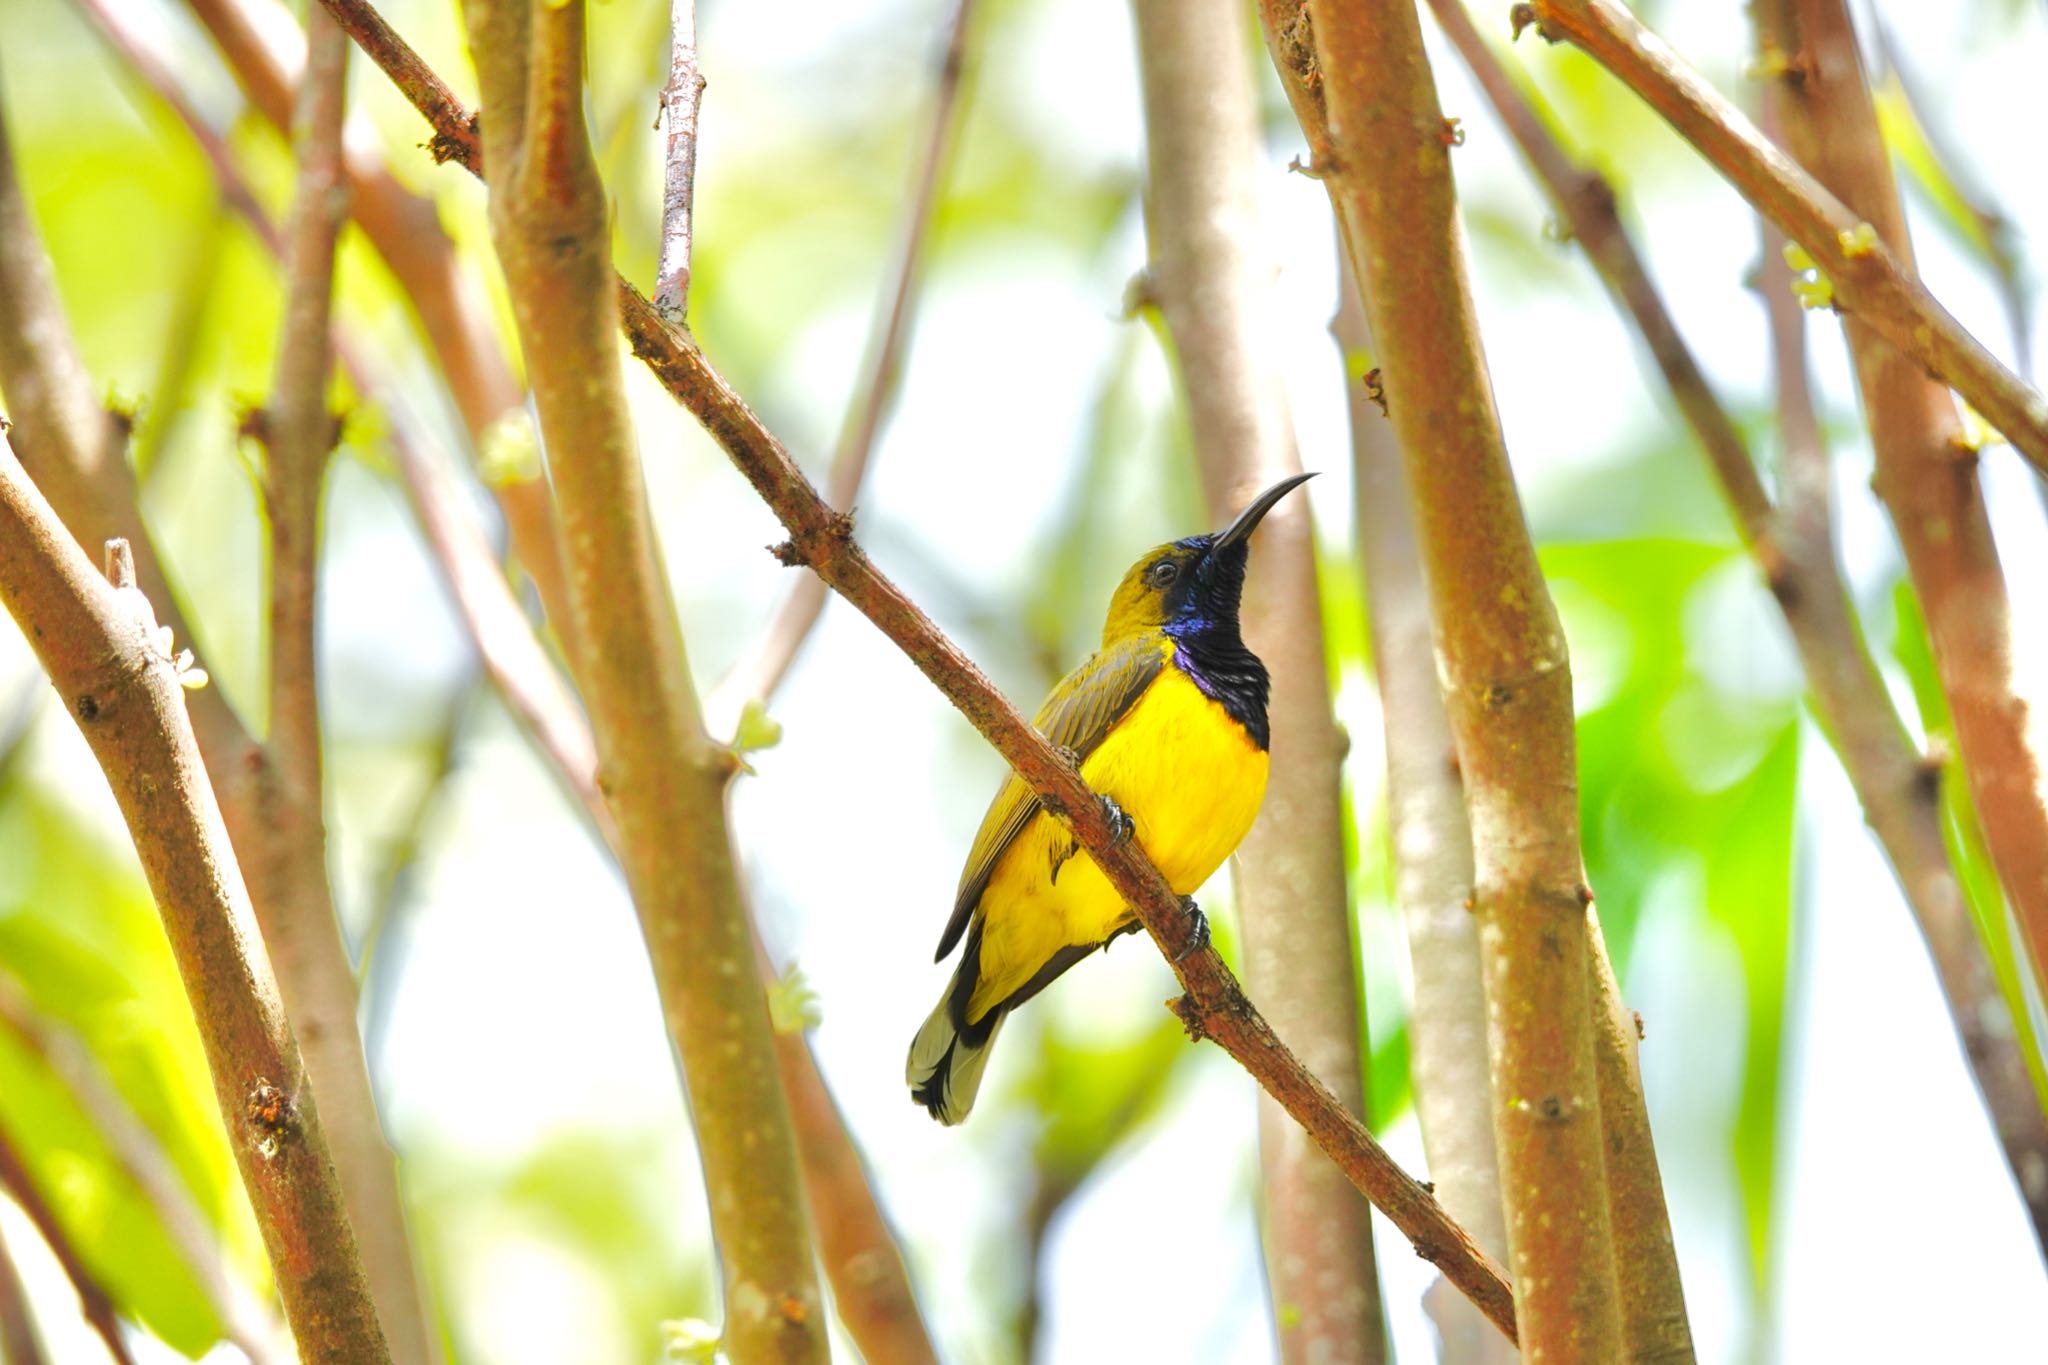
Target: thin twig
{"x":760,"y":671}
{"x":19,"y":1344}
{"x":679,"y":101}
{"x":1211,"y":281}
{"x":247,"y":1320}
{"x":1431,"y":842}
{"x":102,"y":649}
{"x":1872,"y":277}
{"x":93,"y":1300}
{"x":457,"y":318}
{"x":1215,"y":1006}
{"x":664,"y":779}
{"x":1928,"y":482}
{"x":284,"y":851}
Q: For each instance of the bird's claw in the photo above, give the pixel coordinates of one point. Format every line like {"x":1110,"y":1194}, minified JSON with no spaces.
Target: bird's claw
{"x":1121,"y":827}
{"x":1198,"y":930}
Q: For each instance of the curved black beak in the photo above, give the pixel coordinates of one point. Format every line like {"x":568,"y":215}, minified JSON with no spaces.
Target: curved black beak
{"x":1241,"y":529}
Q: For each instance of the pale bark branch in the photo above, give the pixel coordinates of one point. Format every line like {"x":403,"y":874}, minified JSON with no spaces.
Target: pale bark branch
{"x":760,"y":671}
{"x":663,"y":777}
{"x":19,"y":1344}
{"x":69,"y":441}
{"x":1872,"y":273}
{"x":245,"y":1319}
{"x":1793,"y":545}
{"x":94,"y":1303}
{"x":679,"y":101}
{"x":1928,"y":483}
{"x":284,"y":845}
{"x":101,"y":648}
{"x":1212,"y":284}
{"x":1362,"y":89}
{"x":454,"y":314}
{"x":821,"y":538}
{"x":1431,"y":841}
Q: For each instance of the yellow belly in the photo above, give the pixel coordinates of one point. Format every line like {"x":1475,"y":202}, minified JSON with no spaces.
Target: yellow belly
{"x":1190,"y":779}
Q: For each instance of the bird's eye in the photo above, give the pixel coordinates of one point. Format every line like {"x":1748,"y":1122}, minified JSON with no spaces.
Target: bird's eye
{"x":1163,"y":573}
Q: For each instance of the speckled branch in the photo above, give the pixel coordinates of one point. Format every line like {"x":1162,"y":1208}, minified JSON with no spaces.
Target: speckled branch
{"x":1871,"y":271}
{"x":664,"y":779}
{"x":1212,"y":282}
{"x":1793,"y":545}
{"x":1362,"y":88}
{"x":1215,"y":1006}
{"x":1928,"y":483}
{"x":100,"y":646}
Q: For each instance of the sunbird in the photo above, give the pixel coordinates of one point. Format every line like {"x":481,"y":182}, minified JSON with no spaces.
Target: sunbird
{"x":1167,"y":722}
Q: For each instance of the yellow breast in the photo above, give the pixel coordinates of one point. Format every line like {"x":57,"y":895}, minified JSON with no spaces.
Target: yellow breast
{"x":1191,"y":780}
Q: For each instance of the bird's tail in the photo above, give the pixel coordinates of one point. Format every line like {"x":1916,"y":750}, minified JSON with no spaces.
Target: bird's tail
{"x":945,"y":1066}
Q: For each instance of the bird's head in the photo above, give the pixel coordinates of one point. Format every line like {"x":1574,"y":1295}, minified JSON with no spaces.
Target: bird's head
{"x":1194,"y":583}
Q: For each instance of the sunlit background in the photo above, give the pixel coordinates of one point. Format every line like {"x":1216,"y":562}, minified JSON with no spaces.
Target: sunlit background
{"x":1835,"y":1188}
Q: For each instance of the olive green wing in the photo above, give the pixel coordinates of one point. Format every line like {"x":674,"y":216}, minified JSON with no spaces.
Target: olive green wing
{"x":1083,"y":708}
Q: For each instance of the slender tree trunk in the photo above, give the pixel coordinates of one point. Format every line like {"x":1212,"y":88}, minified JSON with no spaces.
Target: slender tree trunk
{"x":663,"y":778}
{"x":1201,"y":120}
{"x":1432,"y":847}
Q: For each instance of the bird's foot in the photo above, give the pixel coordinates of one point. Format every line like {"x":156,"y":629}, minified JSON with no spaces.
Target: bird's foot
{"x":1198,"y":930}
{"x":1120,"y":824}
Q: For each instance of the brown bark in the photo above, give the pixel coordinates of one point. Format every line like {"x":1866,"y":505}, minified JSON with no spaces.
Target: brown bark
{"x":822,"y":540}
{"x":1873,"y":280}
{"x":1202,"y":154}
{"x":663,"y":778}
{"x":101,"y":648}
{"x":1358,"y":77}
{"x":1432,"y":848}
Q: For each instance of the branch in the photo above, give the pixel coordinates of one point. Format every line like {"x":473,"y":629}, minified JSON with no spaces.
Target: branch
{"x":1215,"y":1006}
{"x":68,"y":439}
{"x":246,"y":1320}
{"x":284,"y":849}
{"x":1872,"y":274}
{"x":102,"y":649}
{"x":94,"y":1302}
{"x":766,"y":663}
{"x":19,"y":1344}
{"x":679,"y":174}
{"x":663,"y":778}
{"x":1928,"y":482}
{"x":1381,"y":146}
{"x":1201,"y":216}
{"x":455,"y":315}
{"x":1794,"y":548}
{"x":1432,"y":849}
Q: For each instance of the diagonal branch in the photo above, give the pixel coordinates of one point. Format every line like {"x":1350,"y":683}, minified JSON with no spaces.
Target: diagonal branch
{"x":100,"y":645}
{"x":406,"y":231}
{"x":69,"y":441}
{"x":1794,"y":548}
{"x":1215,"y":1006}
{"x":766,"y":663}
{"x":1927,"y":480}
{"x":94,"y":1302}
{"x":1871,"y":270}
{"x":246,"y":1320}
{"x":19,"y":1343}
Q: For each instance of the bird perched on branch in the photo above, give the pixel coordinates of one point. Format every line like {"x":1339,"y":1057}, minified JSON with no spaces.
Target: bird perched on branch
{"x":1167,"y":722}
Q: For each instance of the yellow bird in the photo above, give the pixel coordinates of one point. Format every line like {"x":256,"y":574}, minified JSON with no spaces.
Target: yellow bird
{"x":1167,"y":721}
